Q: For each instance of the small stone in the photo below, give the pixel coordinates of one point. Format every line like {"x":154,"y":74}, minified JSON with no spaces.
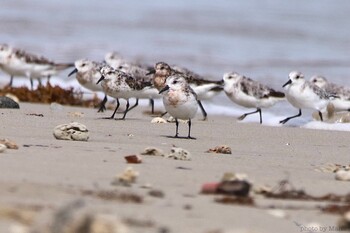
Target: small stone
{"x":156,"y":193}
{"x":222,"y":149}
{"x":56,"y":107}
{"x":2,"y":148}
{"x":128,"y":177}
{"x":178,"y":153}
{"x":210,"y":188}
{"x":133,"y":159}
{"x":72,"y":131}
{"x":158,"y":120}
{"x":6,"y":102}
{"x":342,"y":175}
{"x":152,"y":151}
{"x":9,"y":144}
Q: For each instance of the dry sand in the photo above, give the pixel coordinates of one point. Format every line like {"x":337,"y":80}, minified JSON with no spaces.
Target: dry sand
{"x":45,"y":174}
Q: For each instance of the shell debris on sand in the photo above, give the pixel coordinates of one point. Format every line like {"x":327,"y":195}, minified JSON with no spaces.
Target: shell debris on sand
{"x":332,"y":168}
{"x":178,"y":153}
{"x":344,"y":222}
{"x":9,"y":144}
{"x":222,"y":149}
{"x":158,"y":120}
{"x":2,"y":148}
{"x":73,"y":131}
{"x":127,"y":178}
{"x":343,"y":175}
{"x":75,"y":114}
{"x":153,"y":151}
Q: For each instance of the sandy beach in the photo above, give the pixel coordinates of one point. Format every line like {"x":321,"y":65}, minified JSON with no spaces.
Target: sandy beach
{"x":45,"y":174}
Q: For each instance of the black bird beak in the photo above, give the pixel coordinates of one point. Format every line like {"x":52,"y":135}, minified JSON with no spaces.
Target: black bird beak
{"x":102,"y":77}
{"x":287,"y":83}
{"x":164,"y":89}
{"x":73,"y":72}
{"x":151,"y":71}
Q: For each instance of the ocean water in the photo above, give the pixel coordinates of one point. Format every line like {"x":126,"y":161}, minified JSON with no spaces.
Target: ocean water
{"x":264,"y":40}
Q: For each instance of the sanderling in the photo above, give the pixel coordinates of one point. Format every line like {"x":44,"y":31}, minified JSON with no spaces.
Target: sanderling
{"x":179,"y":100}
{"x":118,"y":84}
{"x":205,"y":89}
{"x":87,"y":74}
{"x":342,"y":100}
{"x":17,"y":62}
{"x":303,"y":94}
{"x":249,"y":93}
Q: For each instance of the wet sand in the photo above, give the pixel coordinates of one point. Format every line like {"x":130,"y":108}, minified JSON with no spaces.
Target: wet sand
{"x":45,"y":174}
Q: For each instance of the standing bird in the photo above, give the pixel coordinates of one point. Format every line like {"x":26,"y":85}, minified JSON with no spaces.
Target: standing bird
{"x":17,"y":62}
{"x":303,"y":94}
{"x":87,"y":74}
{"x":249,"y":93}
{"x":342,"y":102}
{"x":205,"y":89}
{"x":180,"y":101}
{"x":118,"y":84}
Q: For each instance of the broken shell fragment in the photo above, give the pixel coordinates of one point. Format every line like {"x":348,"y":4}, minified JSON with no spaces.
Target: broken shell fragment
{"x":9,"y":144}
{"x":72,"y":131}
{"x":235,"y":187}
{"x":158,"y":120}
{"x":342,"y":175}
{"x":152,"y":151}
{"x":222,"y":149}
{"x":133,"y":159}
{"x":128,"y":177}
{"x":178,"y":153}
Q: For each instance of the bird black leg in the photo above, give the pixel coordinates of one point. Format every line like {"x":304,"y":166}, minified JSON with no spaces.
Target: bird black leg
{"x":11,"y":81}
{"x":320,"y":114}
{"x":102,"y":107}
{"x":177,"y":128}
{"x":151,"y":102}
{"x":115,"y":111}
{"x":134,"y":106}
{"x":163,"y":114}
{"x":31,"y":83}
{"x":203,"y":110}
{"x":48,"y":80}
{"x":288,"y":118}
{"x":189,"y":129}
{"x":249,"y":113}
{"x":126,"y":109}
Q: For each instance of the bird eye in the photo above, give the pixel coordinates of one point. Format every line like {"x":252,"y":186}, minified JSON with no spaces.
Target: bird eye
{"x":82,"y":65}
{"x":175,"y":81}
{"x":297,"y":77}
{"x":109,"y":73}
{"x":230,"y":77}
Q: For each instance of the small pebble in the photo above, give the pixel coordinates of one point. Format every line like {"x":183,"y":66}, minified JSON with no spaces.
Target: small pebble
{"x":133,"y":159}
{"x":6,"y":102}
{"x":2,"y":148}
{"x":342,"y":175}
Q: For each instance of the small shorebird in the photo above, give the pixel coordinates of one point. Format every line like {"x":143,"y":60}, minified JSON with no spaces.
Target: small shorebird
{"x":342,"y":102}
{"x":17,"y":62}
{"x":303,"y":94}
{"x":205,"y":89}
{"x":118,"y":84}
{"x":88,"y":73}
{"x":180,"y":101}
{"x":249,"y":93}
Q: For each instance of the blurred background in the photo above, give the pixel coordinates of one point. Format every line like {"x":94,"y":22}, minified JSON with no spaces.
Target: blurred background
{"x":264,"y":40}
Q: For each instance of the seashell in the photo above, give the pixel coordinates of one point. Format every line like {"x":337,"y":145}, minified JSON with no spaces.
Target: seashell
{"x":178,"y":153}
{"x":342,"y":175}
{"x":2,"y":148}
{"x":234,"y":187}
{"x":222,"y":149}
{"x":133,"y":159}
{"x":72,"y":131}
{"x":76,"y":114}
{"x":6,"y":102}
{"x":152,"y":151}
{"x":9,"y":144}
{"x":172,"y":120}
{"x":13,"y":97}
{"x":128,"y":177}
{"x":278,"y":213}
{"x":230,"y":176}
{"x":158,"y":120}
{"x":262,"y":189}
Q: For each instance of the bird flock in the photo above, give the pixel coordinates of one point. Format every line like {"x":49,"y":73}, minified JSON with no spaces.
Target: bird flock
{"x":181,"y":89}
